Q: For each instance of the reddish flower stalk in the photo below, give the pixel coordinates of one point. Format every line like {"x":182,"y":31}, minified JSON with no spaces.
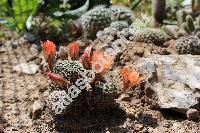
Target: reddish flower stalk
{"x":49,"y":51}
{"x":58,"y":79}
{"x":74,"y":50}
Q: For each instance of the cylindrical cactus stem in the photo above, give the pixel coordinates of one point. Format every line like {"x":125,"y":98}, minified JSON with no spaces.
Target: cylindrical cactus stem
{"x":170,"y":31}
{"x":190,"y":23}
{"x":158,"y":11}
{"x":180,"y":16}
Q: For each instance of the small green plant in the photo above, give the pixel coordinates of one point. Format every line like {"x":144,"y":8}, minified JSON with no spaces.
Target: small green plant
{"x":15,"y":13}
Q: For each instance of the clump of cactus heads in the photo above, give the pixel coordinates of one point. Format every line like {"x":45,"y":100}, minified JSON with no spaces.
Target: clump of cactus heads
{"x":102,"y":16}
{"x":115,"y":31}
{"x":119,"y":25}
{"x":189,"y":27}
{"x":188,"y":45}
{"x":96,"y":19}
{"x":69,"y":75}
{"x":122,"y":13}
{"x":149,"y":35}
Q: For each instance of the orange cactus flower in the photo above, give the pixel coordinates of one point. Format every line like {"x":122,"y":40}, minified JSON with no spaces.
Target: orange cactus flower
{"x":49,"y":51}
{"x":101,"y":62}
{"x":130,"y":77}
{"x":58,"y":79}
{"x":74,"y":50}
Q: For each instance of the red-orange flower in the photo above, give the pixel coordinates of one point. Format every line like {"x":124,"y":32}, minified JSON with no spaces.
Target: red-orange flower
{"x":49,"y":51}
{"x":58,"y":79}
{"x":101,"y":62}
{"x":130,"y":77}
{"x":74,"y":50}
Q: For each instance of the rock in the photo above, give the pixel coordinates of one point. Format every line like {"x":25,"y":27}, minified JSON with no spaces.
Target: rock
{"x":174,"y":79}
{"x":124,"y":97}
{"x":192,"y":114}
{"x":36,"y":110}
{"x":27,"y":68}
{"x":2,"y":50}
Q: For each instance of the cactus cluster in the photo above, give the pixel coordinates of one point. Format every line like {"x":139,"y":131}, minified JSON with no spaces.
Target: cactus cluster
{"x":119,"y":25}
{"x":101,"y":17}
{"x":120,"y":28}
{"x":189,"y":27}
{"x":96,"y":19}
{"x":188,"y":45}
{"x":149,"y":35}
{"x":115,"y":29}
{"x":69,"y":73}
{"x":121,"y":13}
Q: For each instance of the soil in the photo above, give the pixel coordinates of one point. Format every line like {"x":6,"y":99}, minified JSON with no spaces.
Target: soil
{"x":140,"y":114}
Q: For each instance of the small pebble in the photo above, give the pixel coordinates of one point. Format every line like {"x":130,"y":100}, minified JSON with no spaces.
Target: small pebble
{"x":192,"y":114}
{"x":124,"y":97}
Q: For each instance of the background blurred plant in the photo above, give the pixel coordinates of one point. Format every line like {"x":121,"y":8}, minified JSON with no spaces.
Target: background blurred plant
{"x":171,"y":8}
{"x":15,"y":13}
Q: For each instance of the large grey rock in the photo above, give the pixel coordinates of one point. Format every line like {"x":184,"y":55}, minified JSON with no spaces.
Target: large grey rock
{"x":174,"y":78}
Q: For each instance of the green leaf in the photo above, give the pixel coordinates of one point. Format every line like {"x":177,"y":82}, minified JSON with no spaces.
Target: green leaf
{"x":23,"y":9}
{"x":73,"y":13}
{"x":5,"y":8}
{"x":7,"y":24}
